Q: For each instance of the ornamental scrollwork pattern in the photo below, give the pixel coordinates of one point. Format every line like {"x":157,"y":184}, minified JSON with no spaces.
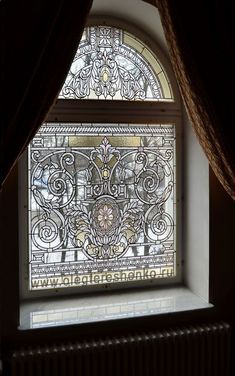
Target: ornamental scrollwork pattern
{"x":95,"y":199}
{"x":106,"y":67}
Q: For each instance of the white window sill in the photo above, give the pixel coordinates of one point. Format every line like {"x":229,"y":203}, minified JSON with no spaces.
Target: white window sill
{"x":115,"y":306}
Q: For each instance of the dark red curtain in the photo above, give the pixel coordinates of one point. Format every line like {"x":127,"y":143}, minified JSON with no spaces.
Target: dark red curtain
{"x":39,"y":40}
{"x":201,"y":41}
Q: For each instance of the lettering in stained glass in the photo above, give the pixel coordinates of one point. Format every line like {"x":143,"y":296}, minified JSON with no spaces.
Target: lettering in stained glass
{"x":101,"y":204}
{"x":112,"y":64}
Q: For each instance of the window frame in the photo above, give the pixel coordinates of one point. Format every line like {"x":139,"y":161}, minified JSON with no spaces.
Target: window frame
{"x":174,"y":118}
{"x":108,"y":111}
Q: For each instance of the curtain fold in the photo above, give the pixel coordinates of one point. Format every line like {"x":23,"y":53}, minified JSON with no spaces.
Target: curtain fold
{"x":39,"y":42}
{"x":201,"y":40}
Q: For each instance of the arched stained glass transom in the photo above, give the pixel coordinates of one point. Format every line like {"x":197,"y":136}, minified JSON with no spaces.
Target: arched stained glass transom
{"x":110,"y":63}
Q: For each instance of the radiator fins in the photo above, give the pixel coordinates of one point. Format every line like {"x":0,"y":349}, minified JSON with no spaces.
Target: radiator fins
{"x":187,"y":351}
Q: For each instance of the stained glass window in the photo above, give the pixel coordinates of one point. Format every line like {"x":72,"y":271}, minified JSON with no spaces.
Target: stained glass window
{"x":102,"y":196}
{"x":113,"y":64}
{"x":101,"y":204}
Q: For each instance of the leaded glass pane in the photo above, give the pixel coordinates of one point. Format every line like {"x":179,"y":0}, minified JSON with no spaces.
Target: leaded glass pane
{"x":101,"y":204}
{"x":112,"y":64}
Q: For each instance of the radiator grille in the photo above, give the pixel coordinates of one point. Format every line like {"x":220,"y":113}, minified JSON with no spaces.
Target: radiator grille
{"x":187,"y":351}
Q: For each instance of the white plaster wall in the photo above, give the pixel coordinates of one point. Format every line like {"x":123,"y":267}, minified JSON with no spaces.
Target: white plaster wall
{"x":195,"y":214}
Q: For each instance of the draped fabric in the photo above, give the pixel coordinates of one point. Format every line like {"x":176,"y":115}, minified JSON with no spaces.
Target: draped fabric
{"x":39,"y":41}
{"x":201,"y":40}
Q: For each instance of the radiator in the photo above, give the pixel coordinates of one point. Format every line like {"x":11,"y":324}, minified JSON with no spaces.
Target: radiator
{"x":187,"y":351}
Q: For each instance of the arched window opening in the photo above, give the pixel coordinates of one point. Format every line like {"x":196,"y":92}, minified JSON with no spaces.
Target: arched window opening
{"x":102,"y":195}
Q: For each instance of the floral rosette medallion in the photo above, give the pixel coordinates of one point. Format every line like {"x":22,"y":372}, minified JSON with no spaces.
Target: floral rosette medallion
{"x":105,"y":216}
